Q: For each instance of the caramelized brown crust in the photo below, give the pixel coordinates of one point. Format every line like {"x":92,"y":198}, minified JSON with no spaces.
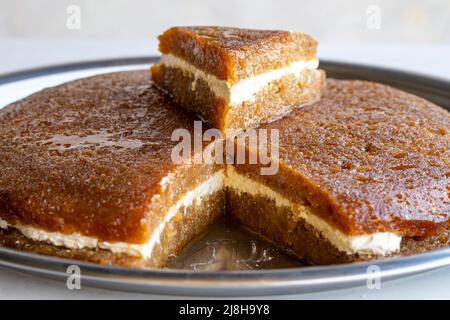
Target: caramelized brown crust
{"x":369,"y":158}
{"x":88,"y":156}
{"x":234,"y":54}
{"x":189,"y":222}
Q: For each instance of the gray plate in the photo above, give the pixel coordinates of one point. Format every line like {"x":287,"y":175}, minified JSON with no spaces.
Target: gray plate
{"x":223,"y":283}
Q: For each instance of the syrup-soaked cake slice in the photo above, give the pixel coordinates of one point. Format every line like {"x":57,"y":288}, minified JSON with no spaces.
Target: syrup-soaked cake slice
{"x":363,"y":173}
{"x":238,"y":78}
{"x":87,"y":173}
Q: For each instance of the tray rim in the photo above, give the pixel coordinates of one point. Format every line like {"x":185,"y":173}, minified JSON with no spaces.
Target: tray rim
{"x":117,"y":62}
{"x":225,"y":283}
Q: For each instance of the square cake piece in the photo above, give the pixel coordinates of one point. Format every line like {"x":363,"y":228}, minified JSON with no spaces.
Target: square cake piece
{"x":238,"y":78}
{"x":87,"y":173}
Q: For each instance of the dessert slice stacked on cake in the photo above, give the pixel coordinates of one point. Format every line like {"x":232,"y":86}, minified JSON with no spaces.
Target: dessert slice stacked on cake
{"x":238,"y":78}
{"x":96,"y":180}
{"x":87,"y":168}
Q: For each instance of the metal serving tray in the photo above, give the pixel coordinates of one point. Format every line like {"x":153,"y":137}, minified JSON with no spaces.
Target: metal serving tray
{"x":300,"y":279}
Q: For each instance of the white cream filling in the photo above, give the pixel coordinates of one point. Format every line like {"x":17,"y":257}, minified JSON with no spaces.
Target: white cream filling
{"x":78,"y":241}
{"x":243,"y":90}
{"x":381,"y":243}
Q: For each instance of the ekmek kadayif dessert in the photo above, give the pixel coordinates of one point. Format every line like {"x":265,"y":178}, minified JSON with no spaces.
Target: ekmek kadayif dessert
{"x":238,"y":78}
{"x":363,"y":173}
{"x":86,"y":173}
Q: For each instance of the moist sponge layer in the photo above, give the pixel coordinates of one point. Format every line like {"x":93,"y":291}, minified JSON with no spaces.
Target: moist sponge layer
{"x":300,"y":239}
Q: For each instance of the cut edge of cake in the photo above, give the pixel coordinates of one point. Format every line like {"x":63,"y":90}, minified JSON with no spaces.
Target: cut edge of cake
{"x":253,"y":98}
{"x":335,"y":244}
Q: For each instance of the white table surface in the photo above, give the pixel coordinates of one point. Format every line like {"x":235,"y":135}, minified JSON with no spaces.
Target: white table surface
{"x":22,"y":54}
